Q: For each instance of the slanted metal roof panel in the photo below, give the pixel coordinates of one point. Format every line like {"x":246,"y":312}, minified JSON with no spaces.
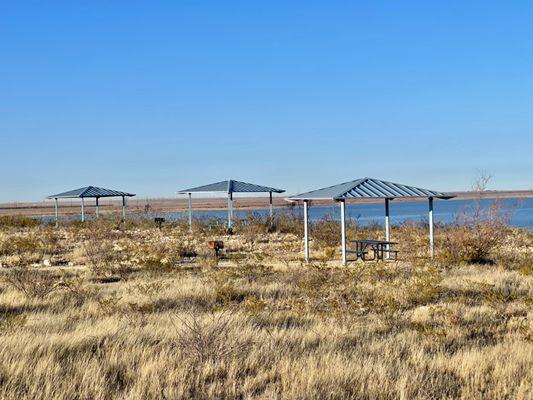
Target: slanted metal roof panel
{"x":90,"y":191}
{"x":369,"y":188}
{"x":232,"y":186}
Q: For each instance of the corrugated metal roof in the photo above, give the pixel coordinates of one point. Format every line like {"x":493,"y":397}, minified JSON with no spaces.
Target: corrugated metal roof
{"x":369,"y":188}
{"x":232,"y":186}
{"x":90,"y":191}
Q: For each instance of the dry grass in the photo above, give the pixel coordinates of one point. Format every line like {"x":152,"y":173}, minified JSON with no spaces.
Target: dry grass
{"x":131,"y":313}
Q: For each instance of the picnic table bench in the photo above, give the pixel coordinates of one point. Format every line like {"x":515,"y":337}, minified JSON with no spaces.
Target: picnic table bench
{"x":378,"y":247}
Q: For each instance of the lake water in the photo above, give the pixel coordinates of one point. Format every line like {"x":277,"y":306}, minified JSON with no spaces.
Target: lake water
{"x":520,"y":212}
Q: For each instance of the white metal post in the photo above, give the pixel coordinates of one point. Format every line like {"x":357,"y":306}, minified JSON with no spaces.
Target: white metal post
{"x":387,"y":226}
{"x":190,"y":212}
{"x":271,"y":209}
{"x":57,"y":212}
{"x":123,"y":208}
{"x":431,"y":237}
{"x":343,"y":231}
{"x":230,"y":209}
{"x":97,"y":209}
{"x":306,"y":230}
{"x":82,"y":211}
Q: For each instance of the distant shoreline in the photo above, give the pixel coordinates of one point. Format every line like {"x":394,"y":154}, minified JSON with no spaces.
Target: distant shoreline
{"x":179,"y":203}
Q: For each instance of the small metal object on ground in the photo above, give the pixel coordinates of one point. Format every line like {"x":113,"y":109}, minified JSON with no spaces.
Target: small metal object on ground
{"x":215,"y":245}
{"x":159,"y":221}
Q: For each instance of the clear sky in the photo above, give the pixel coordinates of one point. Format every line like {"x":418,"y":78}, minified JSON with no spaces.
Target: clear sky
{"x":156,"y":96}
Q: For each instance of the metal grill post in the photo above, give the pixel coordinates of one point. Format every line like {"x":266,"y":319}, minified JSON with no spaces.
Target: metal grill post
{"x":123,"y":208}
{"x":82,"y":211}
{"x":97,"y":209}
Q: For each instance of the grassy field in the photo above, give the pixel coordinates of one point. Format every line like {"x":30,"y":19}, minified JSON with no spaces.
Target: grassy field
{"x":110,"y":311}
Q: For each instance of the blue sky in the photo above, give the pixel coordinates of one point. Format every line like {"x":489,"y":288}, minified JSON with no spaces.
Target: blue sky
{"x":152,"y":97}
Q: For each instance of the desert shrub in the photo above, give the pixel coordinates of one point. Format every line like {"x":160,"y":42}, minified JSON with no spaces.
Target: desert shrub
{"x":326,"y":232}
{"x":517,"y":261}
{"x":149,"y":290}
{"x":33,"y":283}
{"x":19,"y":250}
{"x":472,"y":244}
{"x":18,"y":244}
{"x":50,"y":242}
{"x":77,"y":290}
{"x":412,"y":237}
{"x":225,"y":292}
{"x":250,"y":271}
{"x":423,"y":287}
{"x":476,"y":236}
{"x":478,"y":233}
{"x":18,"y":222}
{"x":324,"y":291}
{"x":330,"y":253}
{"x":207,"y":259}
{"x":254,"y":224}
{"x":211,"y":338}
{"x":208,"y":227}
{"x":108,"y":251}
{"x":10,"y":322}
{"x":392,"y":296}
{"x":99,"y":254}
{"x":160,"y":255}
{"x":109,"y":304}
{"x":288,"y":221}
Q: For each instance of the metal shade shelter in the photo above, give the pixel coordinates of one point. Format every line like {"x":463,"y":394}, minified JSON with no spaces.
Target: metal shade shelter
{"x":230,"y":187}
{"x":367,"y":188}
{"x":90,"y":192}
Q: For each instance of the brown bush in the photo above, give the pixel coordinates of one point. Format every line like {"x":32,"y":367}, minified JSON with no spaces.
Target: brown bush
{"x":473,"y":243}
{"x":326,"y":232}
{"x":100,"y":254}
{"x":18,"y":222}
{"x":33,"y":283}
{"x":161,"y":255}
{"x":478,"y":233}
{"x":208,"y":339}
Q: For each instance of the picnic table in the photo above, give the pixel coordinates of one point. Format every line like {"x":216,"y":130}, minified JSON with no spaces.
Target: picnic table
{"x":378,"y":247}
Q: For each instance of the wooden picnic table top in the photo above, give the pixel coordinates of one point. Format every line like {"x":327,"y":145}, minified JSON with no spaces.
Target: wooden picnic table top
{"x":372,"y":241}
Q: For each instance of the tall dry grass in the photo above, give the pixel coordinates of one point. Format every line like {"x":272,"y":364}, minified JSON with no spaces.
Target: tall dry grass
{"x":156,"y":321}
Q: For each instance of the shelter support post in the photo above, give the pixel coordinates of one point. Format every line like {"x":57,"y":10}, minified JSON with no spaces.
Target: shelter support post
{"x":56,"y":212}
{"x":387,"y":225}
{"x":431,"y":225}
{"x":97,"y":209}
{"x":271,"y":208}
{"x":343,"y":231}
{"x":306,"y":230}
{"x":123,"y":208}
{"x":190,"y":212}
{"x":82,"y":210}
{"x":230,"y":210}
